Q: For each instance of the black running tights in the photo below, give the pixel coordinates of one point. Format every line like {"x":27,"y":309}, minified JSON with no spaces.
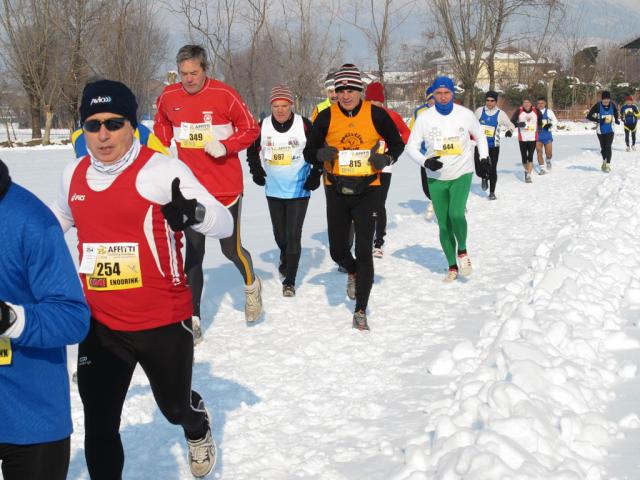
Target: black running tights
{"x":606,"y":140}
{"x":39,"y":461}
{"x":342,"y":210}
{"x":106,"y":361}
{"x":287,"y":218}
{"x":231,"y":248}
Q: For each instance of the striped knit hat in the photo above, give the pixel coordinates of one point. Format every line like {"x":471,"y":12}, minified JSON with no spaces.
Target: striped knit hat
{"x":281,"y":92}
{"x":348,"y":78}
{"x":329,"y":82}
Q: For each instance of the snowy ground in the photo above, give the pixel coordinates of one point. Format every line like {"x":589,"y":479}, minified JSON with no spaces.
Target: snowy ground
{"x":525,"y":371}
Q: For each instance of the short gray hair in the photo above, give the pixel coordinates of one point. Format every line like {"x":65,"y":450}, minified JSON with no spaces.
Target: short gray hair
{"x":193,"y":52}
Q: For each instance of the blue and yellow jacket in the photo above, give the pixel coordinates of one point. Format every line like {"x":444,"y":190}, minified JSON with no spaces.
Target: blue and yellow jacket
{"x":142,"y":133}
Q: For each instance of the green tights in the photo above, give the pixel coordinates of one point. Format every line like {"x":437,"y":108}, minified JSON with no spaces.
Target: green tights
{"x":449,"y":199}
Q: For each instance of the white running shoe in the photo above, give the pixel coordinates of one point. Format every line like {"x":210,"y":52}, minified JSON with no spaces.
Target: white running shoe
{"x":351,"y":286}
{"x":253,"y":302}
{"x":464,"y":263}
{"x":527,"y":177}
{"x":202,"y":454}
{"x":633,"y":147}
{"x":197,"y":330}
{"x":428,"y":214}
{"x":548,"y":164}
{"x":452,"y":275}
{"x":377,"y":252}
{"x":542,"y":170}
{"x":628,"y":149}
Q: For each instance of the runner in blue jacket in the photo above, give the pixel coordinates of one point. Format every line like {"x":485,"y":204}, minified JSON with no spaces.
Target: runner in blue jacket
{"x":42,"y":310}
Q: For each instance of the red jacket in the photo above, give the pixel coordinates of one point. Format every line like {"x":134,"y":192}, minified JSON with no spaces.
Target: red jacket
{"x":232,"y":124}
{"x":403,"y":130}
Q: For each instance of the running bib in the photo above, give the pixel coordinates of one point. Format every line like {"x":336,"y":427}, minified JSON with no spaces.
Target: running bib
{"x":489,"y":131}
{"x":447,"y":146}
{"x":195,"y":135}
{"x":111,"y":266}
{"x":354,"y":163}
{"x":606,"y":118}
{"x":529,"y":127}
{"x":279,"y":156}
{"x":545,"y":122}
{"x":5,"y":352}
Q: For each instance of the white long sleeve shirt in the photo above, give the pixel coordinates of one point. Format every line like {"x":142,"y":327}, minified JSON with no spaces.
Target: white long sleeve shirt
{"x":447,"y":136}
{"x":503,"y":121}
{"x":153,"y":184}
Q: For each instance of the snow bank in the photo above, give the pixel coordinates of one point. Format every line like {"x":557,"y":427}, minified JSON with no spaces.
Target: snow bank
{"x":528,"y":400}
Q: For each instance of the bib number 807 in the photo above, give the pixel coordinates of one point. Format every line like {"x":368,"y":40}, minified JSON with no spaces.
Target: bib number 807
{"x":107,"y":268}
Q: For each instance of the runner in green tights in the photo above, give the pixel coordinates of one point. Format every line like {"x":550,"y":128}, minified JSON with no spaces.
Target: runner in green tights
{"x":446,"y":131}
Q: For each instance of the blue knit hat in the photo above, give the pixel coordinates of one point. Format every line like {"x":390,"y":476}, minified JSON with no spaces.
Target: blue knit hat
{"x":443,"y":82}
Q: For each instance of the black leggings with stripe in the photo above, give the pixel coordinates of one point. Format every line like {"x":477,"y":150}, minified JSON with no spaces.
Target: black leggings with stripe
{"x":231,"y":248}
{"x":106,"y":361}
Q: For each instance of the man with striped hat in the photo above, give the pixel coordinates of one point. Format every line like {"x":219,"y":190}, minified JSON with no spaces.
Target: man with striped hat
{"x":346,"y":141}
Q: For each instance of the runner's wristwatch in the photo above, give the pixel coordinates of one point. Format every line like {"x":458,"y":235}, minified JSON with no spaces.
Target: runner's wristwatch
{"x":7,"y":317}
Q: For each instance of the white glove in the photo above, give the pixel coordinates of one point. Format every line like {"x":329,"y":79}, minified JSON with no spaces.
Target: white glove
{"x":215,"y":148}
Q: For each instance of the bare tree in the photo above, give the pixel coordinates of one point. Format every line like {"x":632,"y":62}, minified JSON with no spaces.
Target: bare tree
{"x":76,"y":21}
{"x":381,"y":19}
{"x":212,"y":23}
{"x":133,"y":28}
{"x":504,"y":12}
{"x":464,"y":33}
{"x":305,"y":45}
{"x":30,"y":47}
{"x":545,"y":23}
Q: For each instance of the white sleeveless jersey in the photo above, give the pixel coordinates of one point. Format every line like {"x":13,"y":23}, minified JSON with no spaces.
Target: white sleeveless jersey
{"x":282,"y":159}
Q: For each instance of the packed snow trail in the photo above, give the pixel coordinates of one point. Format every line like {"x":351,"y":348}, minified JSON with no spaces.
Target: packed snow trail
{"x":302,"y":394}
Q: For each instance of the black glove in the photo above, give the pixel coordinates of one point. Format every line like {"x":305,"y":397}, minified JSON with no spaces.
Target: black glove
{"x":547,"y":126}
{"x":378,"y":160}
{"x":258,"y":174}
{"x":485,"y":167}
{"x":180,"y":212}
{"x":326,"y":154}
{"x":508,"y":134}
{"x":313,"y":180}
{"x":521,"y":124}
{"x":7,"y":317}
{"x":433,"y":163}
{"x":5,"y":179}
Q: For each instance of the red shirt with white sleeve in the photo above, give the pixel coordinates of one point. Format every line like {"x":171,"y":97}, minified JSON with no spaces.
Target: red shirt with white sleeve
{"x":180,"y":114}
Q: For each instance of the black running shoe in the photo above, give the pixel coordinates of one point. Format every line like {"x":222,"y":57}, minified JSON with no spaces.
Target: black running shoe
{"x":485,"y":184}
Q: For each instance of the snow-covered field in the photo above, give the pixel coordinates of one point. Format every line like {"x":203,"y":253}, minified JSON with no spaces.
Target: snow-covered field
{"x":527,"y":370}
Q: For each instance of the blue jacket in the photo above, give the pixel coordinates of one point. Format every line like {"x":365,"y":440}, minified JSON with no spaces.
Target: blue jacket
{"x":37,"y":274}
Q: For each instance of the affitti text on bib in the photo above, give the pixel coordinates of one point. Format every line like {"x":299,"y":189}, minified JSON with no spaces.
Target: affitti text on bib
{"x":195,"y":135}
{"x":111,"y":266}
{"x":447,"y":146}
{"x":354,"y":163}
{"x":279,"y":156}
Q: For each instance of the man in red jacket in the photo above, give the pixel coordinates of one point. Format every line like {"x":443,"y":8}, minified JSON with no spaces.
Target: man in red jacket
{"x":375,"y":94}
{"x":210,"y":124}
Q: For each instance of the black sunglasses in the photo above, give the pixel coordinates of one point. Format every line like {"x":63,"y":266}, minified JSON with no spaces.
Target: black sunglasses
{"x":111,"y":124}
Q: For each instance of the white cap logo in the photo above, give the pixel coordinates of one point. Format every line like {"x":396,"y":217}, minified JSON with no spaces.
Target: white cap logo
{"x":97,"y":100}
